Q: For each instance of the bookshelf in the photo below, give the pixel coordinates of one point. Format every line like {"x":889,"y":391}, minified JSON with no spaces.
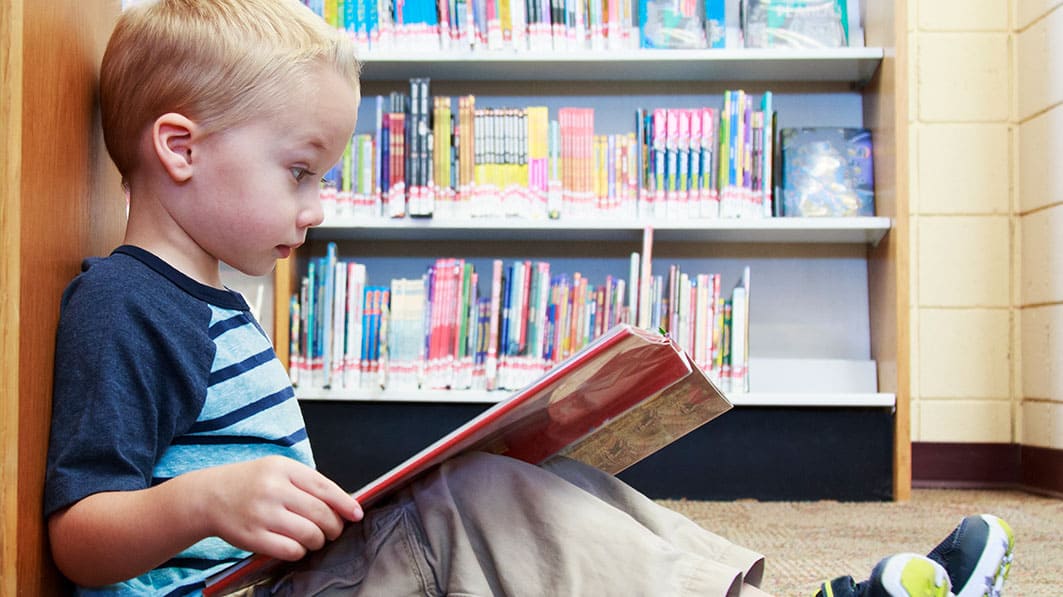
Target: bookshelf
{"x":861,"y":258}
{"x":849,"y":399}
{"x":867,"y":230}
{"x":848,"y":65}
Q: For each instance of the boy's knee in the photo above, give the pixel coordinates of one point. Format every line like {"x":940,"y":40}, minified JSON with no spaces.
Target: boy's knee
{"x":477,"y":464}
{"x":481,"y":475}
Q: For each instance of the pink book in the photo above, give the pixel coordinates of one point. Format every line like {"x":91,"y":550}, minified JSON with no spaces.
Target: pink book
{"x":623,"y":397}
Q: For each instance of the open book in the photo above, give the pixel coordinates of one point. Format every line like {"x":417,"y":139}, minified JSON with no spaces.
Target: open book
{"x":623,"y":397}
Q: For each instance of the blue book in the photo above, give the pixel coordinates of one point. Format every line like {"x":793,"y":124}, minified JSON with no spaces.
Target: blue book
{"x":827,"y":171}
{"x":507,"y":297}
{"x":351,"y":10}
{"x":367,"y":303}
{"x":768,"y":151}
{"x":548,"y":332}
{"x":378,"y":167}
{"x":429,"y":305}
{"x":715,"y":23}
{"x":329,"y":266}
{"x":310,"y":349}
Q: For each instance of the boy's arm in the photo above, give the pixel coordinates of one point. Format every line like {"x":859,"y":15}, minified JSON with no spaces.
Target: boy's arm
{"x":274,"y":506}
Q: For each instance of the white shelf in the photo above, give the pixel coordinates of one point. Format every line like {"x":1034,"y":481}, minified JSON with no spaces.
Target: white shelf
{"x":412,"y":395}
{"x":853,"y":65}
{"x":873,"y":400}
{"x":860,"y":400}
{"x":862,"y":230}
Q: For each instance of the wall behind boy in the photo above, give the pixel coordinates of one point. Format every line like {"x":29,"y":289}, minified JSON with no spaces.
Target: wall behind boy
{"x":987,"y":276}
{"x":60,"y":201}
{"x":1038,"y":115}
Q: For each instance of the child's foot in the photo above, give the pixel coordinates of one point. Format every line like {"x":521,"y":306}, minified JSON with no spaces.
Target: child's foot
{"x":977,"y":555}
{"x":900,"y":575}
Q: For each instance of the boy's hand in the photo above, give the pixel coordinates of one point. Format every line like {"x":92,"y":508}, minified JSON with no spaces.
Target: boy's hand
{"x":275,"y":506}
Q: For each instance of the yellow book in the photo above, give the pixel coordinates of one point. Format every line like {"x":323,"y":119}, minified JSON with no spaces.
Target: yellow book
{"x":538,"y":148}
{"x":331,"y":12}
{"x":443,"y":143}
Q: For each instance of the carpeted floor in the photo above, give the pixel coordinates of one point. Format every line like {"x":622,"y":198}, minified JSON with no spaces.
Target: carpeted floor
{"x":807,"y":542}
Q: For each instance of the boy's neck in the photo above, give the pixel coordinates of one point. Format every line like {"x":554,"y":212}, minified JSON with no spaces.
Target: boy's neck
{"x":175,"y":248}
{"x":198,"y":266}
{"x":151,"y":227}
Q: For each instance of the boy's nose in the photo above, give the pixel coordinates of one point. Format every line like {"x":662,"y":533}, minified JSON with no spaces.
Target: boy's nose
{"x":313,"y":214}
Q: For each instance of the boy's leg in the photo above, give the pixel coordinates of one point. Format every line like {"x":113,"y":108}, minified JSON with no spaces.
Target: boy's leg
{"x":489,"y":525}
{"x":381,"y":555}
{"x":497,"y":526}
{"x":749,"y":590}
{"x":668,"y":524}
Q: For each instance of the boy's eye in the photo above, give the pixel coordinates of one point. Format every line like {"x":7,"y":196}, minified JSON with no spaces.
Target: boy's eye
{"x":299,"y":173}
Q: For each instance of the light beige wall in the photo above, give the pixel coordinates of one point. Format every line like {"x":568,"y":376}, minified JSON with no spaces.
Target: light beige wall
{"x":1038,"y":34}
{"x":986,"y":120}
{"x":962,"y":276}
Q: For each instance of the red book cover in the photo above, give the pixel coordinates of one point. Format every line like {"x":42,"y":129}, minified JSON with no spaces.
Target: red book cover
{"x":623,"y":397}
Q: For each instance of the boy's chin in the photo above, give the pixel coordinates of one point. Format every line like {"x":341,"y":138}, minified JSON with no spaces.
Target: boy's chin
{"x":255,"y":269}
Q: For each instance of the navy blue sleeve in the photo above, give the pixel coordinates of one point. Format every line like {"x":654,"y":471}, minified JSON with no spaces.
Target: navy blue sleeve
{"x":132,"y":362}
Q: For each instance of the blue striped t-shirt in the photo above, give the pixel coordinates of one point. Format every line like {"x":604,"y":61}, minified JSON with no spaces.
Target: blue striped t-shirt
{"x":157,"y":375}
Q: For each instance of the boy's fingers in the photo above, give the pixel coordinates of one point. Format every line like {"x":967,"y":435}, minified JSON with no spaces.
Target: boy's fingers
{"x":327,"y":491}
{"x":280,"y":546}
{"x":318,"y":512}
{"x":304,"y":531}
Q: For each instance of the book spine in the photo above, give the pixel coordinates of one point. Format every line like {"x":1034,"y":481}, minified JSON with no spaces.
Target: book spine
{"x":311,"y":321}
{"x":768,"y":153}
{"x":328,"y":311}
{"x":491,"y":364}
{"x":339,"y":325}
{"x":294,"y":334}
{"x":355,"y":303}
{"x":644,"y":278}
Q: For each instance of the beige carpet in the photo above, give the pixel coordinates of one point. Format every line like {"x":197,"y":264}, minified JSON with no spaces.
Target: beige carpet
{"x":807,"y":542}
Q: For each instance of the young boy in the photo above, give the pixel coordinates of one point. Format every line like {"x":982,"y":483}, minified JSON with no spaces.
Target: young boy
{"x":177,"y":447}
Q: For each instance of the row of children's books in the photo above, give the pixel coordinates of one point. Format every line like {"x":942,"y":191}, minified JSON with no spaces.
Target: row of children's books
{"x":432,"y":158}
{"x":558,"y":25}
{"x":538,"y":25}
{"x":443,"y":331}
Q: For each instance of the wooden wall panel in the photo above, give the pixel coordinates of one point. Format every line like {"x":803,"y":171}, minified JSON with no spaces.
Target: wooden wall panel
{"x":69,"y":205}
{"x":10,"y":160}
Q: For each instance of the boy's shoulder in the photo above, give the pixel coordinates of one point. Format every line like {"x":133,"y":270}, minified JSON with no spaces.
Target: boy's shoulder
{"x":131,"y":277}
{"x":113,"y":284}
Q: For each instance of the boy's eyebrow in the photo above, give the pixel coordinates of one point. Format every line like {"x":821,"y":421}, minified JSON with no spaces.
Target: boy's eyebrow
{"x":315,"y":142}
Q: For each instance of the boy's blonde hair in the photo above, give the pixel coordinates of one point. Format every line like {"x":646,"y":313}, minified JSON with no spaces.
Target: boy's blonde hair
{"x":217,"y":62}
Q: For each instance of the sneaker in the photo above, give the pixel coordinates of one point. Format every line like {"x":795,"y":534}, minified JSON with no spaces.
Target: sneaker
{"x":977,"y":555}
{"x":900,"y":575}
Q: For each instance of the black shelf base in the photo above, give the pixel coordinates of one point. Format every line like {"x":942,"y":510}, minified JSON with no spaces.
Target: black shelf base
{"x":764,"y":453}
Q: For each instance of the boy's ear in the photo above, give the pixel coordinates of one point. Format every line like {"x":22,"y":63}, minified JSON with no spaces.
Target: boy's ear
{"x":173,"y":136}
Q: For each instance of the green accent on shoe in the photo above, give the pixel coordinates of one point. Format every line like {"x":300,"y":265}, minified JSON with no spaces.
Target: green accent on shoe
{"x":1005,"y":563}
{"x":917,"y":579}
